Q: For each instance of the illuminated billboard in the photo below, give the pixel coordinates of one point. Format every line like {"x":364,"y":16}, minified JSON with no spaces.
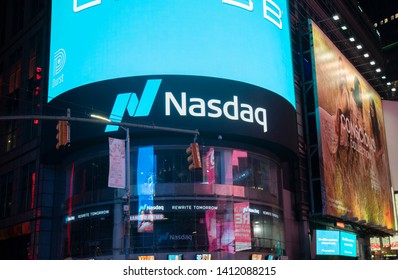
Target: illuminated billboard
{"x":351,"y":135}
{"x":247,"y":41}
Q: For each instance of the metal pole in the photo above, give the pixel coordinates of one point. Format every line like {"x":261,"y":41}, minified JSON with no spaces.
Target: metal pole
{"x":127,"y":207}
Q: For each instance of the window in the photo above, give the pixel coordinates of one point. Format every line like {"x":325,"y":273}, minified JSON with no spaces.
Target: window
{"x":6,"y":183}
{"x":11,"y":137}
{"x":14,"y":81}
{"x":29,"y":179}
{"x":17,"y":15}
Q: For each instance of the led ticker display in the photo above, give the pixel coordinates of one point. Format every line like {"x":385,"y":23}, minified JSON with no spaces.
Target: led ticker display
{"x":119,"y":39}
{"x":351,"y":134}
{"x":335,"y":243}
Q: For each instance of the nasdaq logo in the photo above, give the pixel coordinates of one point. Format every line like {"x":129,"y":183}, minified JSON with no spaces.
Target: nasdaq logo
{"x":184,"y":106}
{"x":136,"y":108}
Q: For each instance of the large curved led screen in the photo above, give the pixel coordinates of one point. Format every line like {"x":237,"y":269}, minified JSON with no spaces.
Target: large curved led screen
{"x":354,"y":162}
{"x":98,"y":40}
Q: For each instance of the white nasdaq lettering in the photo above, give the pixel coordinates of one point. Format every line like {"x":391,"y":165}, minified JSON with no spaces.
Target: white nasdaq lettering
{"x":232,"y":110}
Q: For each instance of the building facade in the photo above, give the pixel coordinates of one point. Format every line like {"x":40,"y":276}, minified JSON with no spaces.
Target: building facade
{"x":163,"y":83}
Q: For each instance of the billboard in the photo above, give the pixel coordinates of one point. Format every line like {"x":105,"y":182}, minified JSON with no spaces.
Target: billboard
{"x":354,"y":164}
{"x":163,"y":63}
{"x":100,"y":40}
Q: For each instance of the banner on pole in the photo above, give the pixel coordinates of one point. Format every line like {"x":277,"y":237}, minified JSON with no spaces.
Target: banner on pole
{"x":117,"y":163}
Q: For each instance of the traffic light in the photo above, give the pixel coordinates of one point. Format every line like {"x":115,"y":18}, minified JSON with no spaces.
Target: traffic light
{"x":38,"y":77}
{"x":194,"y":156}
{"x":62,"y":134}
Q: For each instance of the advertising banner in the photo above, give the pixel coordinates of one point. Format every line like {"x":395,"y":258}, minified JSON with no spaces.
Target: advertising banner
{"x":146,"y":180}
{"x":117,"y":163}
{"x":336,"y":243}
{"x":351,"y":135}
{"x":163,"y":63}
{"x":120,"y":39}
{"x":375,"y":244}
{"x":394,"y":242}
{"x":242,"y":226}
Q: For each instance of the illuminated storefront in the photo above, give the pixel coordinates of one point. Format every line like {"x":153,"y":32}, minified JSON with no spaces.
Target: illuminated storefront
{"x":230,"y":208}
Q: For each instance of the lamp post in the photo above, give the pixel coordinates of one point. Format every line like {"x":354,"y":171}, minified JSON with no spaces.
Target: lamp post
{"x":126,"y":206}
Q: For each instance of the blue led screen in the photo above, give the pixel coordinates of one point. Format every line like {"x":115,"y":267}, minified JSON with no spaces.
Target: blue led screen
{"x":348,"y":244}
{"x":98,"y":40}
{"x":336,"y":243}
{"x":327,"y":242}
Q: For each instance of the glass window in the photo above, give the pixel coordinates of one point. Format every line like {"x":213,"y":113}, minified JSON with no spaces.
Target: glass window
{"x":6,"y":185}
{"x":174,"y":209}
{"x":28,"y":187}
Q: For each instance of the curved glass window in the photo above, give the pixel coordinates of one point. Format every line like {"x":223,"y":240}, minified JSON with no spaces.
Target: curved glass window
{"x":231,"y":204}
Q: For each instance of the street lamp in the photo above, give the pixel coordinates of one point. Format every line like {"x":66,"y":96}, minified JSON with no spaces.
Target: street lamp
{"x":126,"y":207}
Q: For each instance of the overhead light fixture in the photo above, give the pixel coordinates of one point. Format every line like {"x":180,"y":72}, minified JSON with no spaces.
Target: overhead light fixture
{"x":344,"y":27}
{"x":388,"y":83}
{"x":394,"y":89}
{"x":372,"y":62}
{"x":352,"y":39}
{"x":336,"y":17}
{"x":365,"y":55}
{"x":359,"y":47}
{"x":378,"y":70}
{"x":383,"y":77}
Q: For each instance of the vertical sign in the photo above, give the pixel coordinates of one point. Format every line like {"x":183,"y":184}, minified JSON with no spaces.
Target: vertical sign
{"x":145,"y":188}
{"x":210,"y":171}
{"x":117,"y":163}
{"x":211,"y":227}
{"x":242,"y":226}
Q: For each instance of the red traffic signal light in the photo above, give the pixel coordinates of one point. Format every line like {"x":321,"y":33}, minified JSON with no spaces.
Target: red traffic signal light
{"x":194,"y":156}
{"x":62,"y":134}
{"x":38,"y":73}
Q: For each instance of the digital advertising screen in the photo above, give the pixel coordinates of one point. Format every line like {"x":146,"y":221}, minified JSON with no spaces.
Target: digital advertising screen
{"x":348,"y":244}
{"x":328,"y":242}
{"x":164,"y":63}
{"x":335,"y":243}
{"x":169,"y":37}
{"x":355,"y":172}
